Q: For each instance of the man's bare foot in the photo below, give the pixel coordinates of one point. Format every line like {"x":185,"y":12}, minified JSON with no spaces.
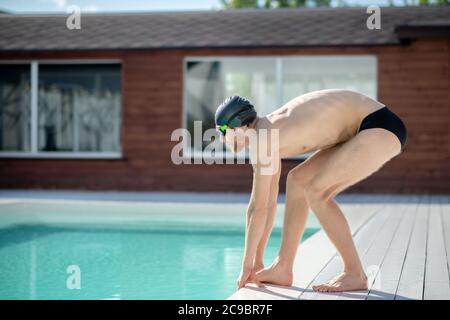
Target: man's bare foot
{"x":276,"y":274}
{"x":344,"y":282}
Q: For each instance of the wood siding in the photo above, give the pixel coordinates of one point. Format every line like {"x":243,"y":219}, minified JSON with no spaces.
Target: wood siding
{"x":413,"y":80}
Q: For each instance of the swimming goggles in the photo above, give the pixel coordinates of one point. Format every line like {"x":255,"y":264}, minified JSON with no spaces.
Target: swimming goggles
{"x":223,"y":128}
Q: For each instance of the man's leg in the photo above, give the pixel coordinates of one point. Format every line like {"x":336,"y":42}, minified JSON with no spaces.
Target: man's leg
{"x":345,"y":165}
{"x":296,"y":214}
{"x":337,"y":229}
{"x":354,"y":161}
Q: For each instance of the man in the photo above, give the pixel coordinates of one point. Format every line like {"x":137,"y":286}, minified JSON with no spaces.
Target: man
{"x":352,"y":135}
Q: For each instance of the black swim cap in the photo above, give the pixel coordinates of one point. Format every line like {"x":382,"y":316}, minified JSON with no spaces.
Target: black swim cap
{"x":235,"y":112}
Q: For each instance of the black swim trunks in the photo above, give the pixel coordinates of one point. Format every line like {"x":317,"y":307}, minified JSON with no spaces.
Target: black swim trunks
{"x":386,"y":119}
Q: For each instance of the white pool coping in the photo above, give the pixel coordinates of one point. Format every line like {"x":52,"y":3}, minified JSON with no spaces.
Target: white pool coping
{"x":165,"y":196}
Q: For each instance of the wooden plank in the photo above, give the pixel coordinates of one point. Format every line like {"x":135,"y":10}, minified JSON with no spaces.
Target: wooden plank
{"x":373,"y":258}
{"x":437,"y":275}
{"x":312,"y":254}
{"x":436,"y":271}
{"x":445,"y":217}
{"x":333,"y":268}
{"x":412,"y":276}
{"x":363,"y":239}
{"x":387,"y":279}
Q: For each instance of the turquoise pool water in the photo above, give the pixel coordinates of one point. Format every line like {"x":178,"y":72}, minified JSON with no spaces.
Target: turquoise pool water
{"x":123,"y":250}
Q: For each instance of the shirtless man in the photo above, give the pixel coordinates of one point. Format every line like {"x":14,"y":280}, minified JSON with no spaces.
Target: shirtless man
{"x":352,"y":135}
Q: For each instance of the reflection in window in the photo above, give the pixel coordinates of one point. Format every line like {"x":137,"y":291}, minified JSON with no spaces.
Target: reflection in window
{"x":305,"y":74}
{"x":15,"y":107}
{"x":208,"y":83}
{"x":79,"y":107}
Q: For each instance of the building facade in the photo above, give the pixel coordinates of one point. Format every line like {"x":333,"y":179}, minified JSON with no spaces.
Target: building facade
{"x":96,"y":110}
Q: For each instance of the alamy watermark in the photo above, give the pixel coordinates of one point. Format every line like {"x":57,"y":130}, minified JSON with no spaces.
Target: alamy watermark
{"x":263,"y":147}
{"x":374,"y":20}
{"x":74,"y":279}
{"x":73,"y":21}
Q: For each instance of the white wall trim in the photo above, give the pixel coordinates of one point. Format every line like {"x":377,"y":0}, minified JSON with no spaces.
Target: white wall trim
{"x":215,"y":58}
{"x":279,"y":80}
{"x":34,"y":106}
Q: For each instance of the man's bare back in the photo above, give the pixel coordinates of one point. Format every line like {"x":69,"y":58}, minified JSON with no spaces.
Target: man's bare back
{"x":318,"y":120}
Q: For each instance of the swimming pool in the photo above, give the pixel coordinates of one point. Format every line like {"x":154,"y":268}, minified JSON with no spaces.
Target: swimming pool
{"x":124,"y":250}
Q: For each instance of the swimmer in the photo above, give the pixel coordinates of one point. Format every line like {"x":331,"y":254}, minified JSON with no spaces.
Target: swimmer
{"x":352,"y":137}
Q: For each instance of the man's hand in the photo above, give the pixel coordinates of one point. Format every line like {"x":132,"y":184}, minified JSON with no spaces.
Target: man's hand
{"x":248,"y":275}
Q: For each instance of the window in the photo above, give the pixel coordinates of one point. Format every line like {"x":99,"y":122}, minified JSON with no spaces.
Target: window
{"x":15,"y":108}
{"x":306,"y":74}
{"x":60,"y":109}
{"x":268,"y":82}
{"x":209,"y":82}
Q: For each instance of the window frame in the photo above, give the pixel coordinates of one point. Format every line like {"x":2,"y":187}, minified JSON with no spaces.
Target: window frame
{"x":279,"y":94}
{"x":34,"y":87}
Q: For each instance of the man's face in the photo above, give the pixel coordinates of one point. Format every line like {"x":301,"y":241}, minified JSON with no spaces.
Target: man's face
{"x":235,"y":139}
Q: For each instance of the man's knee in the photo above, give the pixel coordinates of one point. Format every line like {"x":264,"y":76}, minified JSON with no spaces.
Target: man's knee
{"x":296,"y":180}
{"x":316,"y":193}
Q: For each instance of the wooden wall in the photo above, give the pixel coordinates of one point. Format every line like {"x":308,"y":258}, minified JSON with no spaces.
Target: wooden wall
{"x":413,"y":80}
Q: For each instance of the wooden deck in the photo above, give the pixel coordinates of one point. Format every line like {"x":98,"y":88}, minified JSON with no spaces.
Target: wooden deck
{"x":404,"y":246}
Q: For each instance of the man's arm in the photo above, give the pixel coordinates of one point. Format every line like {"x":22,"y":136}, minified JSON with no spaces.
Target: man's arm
{"x":257,"y":217}
{"x":271,"y":213}
{"x":265,"y":159}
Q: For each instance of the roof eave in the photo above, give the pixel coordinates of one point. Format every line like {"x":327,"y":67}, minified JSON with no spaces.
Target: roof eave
{"x":299,"y":46}
{"x":412,"y":32}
